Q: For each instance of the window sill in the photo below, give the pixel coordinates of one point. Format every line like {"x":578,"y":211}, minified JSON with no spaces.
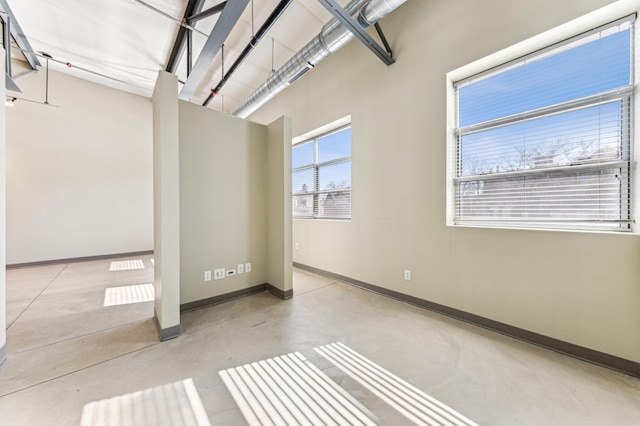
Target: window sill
{"x":323,"y":219}
{"x":631,"y":231}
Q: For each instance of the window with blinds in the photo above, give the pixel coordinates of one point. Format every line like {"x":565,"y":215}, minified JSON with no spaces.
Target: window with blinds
{"x":321,"y":176}
{"x":545,"y":141}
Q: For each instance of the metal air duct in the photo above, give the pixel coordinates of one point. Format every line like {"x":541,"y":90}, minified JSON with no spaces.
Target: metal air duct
{"x":331,"y":38}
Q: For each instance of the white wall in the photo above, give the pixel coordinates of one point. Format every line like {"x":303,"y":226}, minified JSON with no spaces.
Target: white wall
{"x":582,"y":288}
{"x":3,"y":276}
{"x":79,"y":177}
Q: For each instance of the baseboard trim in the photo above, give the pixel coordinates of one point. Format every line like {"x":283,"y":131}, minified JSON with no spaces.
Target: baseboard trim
{"x":3,"y":354}
{"x":166,"y":333}
{"x":227,"y":297}
{"x":222,"y":298}
{"x":284,"y":295}
{"x":612,"y":362}
{"x":78,"y":259}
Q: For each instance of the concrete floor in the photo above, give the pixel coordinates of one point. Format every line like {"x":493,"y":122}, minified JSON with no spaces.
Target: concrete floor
{"x":66,"y":350}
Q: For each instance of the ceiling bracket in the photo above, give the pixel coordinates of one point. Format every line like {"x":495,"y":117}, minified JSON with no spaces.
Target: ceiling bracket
{"x":226,"y":22}
{"x":10,"y":84}
{"x":354,"y":27}
{"x":18,"y":35}
{"x":179,"y":45}
{"x":383,"y":38}
{"x":211,"y":11}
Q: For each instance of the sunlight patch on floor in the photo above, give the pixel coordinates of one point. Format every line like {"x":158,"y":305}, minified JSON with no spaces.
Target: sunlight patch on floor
{"x":410,"y":401}
{"x":289,"y":390}
{"x":128,"y":294}
{"x":126,"y":265}
{"x":176,"y":404}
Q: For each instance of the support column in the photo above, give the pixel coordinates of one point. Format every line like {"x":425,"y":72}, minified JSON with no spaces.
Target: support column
{"x":166,"y":206}
{"x":279,"y":254}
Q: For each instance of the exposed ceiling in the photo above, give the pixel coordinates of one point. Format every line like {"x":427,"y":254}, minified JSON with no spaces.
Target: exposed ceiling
{"x":125,"y":42}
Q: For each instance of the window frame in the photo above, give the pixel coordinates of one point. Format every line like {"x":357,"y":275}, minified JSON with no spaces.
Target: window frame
{"x":316,"y":193}
{"x":549,"y":40}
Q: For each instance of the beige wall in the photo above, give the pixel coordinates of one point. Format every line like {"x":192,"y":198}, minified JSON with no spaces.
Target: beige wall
{"x":79,"y":177}
{"x":223,"y":212}
{"x":583,"y":288}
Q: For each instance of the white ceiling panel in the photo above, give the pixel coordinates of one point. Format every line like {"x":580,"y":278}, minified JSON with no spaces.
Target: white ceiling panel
{"x":119,"y":38}
{"x":126,"y":42}
{"x":301,"y":26}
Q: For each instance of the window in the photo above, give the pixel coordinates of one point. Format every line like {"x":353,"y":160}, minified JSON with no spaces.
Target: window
{"x":321,"y":176}
{"x":545,"y":140}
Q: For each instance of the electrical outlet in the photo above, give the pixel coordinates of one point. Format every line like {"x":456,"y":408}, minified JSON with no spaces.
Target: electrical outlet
{"x":297,"y":246}
{"x":231,"y":272}
{"x":240,"y":268}
{"x":207,"y":275}
{"x":219,"y":274}
{"x":247,"y":267}
{"x":407,"y":274}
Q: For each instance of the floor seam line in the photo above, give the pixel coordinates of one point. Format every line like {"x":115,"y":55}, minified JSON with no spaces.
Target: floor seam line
{"x":78,"y":370}
{"x":78,"y":337}
{"x":315,"y":289}
{"x":39,"y":294}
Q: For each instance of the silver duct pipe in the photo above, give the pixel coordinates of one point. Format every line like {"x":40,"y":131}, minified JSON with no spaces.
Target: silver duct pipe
{"x":332,"y":38}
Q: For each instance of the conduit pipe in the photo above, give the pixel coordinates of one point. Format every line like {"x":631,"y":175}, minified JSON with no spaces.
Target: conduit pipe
{"x":275,"y":15}
{"x":333,"y":37}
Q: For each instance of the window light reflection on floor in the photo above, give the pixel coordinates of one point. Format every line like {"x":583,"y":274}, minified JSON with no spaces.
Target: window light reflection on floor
{"x":126,"y":265}
{"x":408,"y":400}
{"x":176,"y":403}
{"x":289,"y":389}
{"x":128,"y":294}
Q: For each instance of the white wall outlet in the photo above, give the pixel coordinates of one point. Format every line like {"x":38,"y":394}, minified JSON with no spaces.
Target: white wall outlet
{"x":219,"y":274}
{"x":240,"y":268}
{"x":231,"y":272}
{"x":247,"y":267}
{"x":407,"y":274}
{"x":207,"y":275}
{"x":297,"y":246}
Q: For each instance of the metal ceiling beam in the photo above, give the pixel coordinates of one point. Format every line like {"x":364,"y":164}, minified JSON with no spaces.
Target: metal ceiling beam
{"x":193,"y":7}
{"x":189,"y":51}
{"x":273,"y":17}
{"x":228,"y":18}
{"x":18,"y":35}
{"x":211,"y":11}
{"x":354,"y":27}
{"x":6,"y":40}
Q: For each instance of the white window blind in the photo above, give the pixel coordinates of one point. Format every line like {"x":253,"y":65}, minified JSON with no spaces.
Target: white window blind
{"x":545,"y":141}
{"x":321,"y":176}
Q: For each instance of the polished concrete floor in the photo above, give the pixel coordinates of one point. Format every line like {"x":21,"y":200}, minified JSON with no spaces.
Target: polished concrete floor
{"x":66,"y":350}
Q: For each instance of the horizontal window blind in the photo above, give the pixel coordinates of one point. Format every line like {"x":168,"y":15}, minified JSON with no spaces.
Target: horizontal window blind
{"x":545,"y":140}
{"x":321,"y":176}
